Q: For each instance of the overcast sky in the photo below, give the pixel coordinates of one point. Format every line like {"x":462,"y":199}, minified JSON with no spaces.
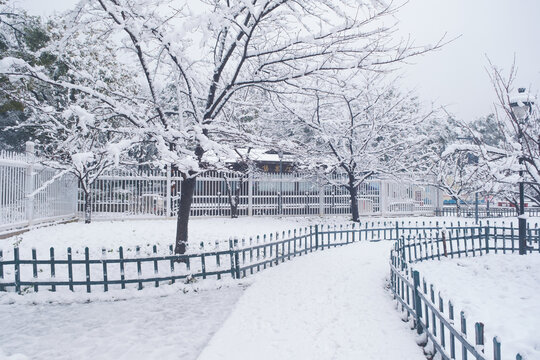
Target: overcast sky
{"x":455,"y":76}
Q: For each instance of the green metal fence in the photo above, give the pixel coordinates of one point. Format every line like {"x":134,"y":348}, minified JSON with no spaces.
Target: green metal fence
{"x":483,"y":212}
{"x":433,"y":316}
{"x":104,"y":269}
{"x":86,"y":270}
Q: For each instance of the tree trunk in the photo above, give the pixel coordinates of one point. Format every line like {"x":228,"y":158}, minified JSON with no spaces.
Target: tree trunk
{"x":353,"y":191}
{"x":87,"y":207}
{"x":186,"y":198}
{"x":457,"y":205}
{"x":234,"y":194}
{"x":234,"y":210}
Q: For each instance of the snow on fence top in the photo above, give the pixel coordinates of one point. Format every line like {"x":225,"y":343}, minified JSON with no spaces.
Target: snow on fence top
{"x":434,"y":318}
{"x":31,"y":193}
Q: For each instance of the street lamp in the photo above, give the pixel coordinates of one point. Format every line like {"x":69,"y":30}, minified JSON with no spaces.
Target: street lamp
{"x":521,"y":105}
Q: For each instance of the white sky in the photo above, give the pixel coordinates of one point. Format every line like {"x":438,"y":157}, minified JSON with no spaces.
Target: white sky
{"x":455,"y":76}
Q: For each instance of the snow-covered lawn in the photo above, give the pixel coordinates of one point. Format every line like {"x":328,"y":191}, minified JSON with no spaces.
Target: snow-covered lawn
{"x":500,"y":290}
{"x":176,"y":326}
{"x":328,"y":305}
{"x":112,"y":234}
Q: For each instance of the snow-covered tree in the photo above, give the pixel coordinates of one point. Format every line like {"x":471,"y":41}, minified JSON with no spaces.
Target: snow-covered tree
{"x":458,"y":174}
{"x":517,"y":140}
{"x":188,"y":60}
{"x":74,"y":133}
{"x":20,"y":35}
{"x":363,"y":129}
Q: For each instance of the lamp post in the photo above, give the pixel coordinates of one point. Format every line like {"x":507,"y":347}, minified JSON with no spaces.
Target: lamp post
{"x":521,"y":108}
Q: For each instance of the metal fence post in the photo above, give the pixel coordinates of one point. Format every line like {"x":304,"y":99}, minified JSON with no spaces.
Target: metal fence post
{"x":250,"y":194}
{"x":231,"y":254}
{"x":479,"y":336}
{"x":417,"y":302}
{"x":236,"y":259}
{"x":383,"y":197}
{"x":321,"y":198}
{"x":316,"y":237}
{"x":29,"y":182}
{"x":496,"y":349}
{"x":17,"y":266}
{"x":168,"y":202}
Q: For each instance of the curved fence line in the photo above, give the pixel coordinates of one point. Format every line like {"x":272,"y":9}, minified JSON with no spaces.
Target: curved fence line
{"x":133,"y":268}
{"x":433,"y":316}
{"x":86,"y":270}
{"x":79,"y":269}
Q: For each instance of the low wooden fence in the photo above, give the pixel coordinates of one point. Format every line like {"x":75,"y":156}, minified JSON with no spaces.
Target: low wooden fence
{"x":433,"y":316}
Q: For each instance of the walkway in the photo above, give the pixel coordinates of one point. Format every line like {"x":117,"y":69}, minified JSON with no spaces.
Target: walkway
{"x":328,"y":305}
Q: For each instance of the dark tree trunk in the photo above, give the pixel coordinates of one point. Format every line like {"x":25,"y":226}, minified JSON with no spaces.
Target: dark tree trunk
{"x":353,"y":191}
{"x":457,"y":205}
{"x":186,"y":198}
{"x":234,"y":194}
{"x":234,"y":210}
{"x":87,"y":207}
{"x":234,"y":199}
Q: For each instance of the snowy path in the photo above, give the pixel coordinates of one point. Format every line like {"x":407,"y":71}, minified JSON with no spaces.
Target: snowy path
{"x":327,"y":305}
{"x":171,"y":327}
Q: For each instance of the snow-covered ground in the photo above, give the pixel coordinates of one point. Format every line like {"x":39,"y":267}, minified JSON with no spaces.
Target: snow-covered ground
{"x":112,"y":234}
{"x":145,"y":233}
{"x":328,"y":305}
{"x":176,"y":326}
{"x":500,"y":290}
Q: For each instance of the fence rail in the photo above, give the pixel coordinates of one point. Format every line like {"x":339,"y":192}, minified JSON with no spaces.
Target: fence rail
{"x":20,"y":204}
{"x":433,"y":316}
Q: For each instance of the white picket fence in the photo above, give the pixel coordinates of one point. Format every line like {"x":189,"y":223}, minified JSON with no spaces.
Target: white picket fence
{"x":121,"y":193}
{"x":20,"y":176}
